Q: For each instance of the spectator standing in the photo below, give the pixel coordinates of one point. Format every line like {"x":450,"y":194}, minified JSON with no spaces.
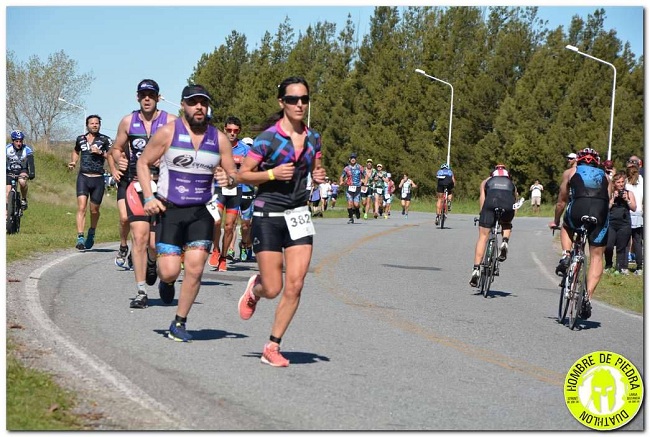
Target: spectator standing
{"x":325,"y":191}
{"x":634,"y":184}
{"x":92,"y":149}
{"x":536,"y":195}
{"x":621,"y":203}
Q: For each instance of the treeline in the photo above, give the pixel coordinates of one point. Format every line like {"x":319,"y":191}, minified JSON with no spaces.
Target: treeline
{"x":520,"y":97}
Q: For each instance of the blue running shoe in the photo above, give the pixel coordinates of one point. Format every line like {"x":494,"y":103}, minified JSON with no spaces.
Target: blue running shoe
{"x":90,"y":240}
{"x":81,"y":243}
{"x":250,"y":255}
{"x":167,"y":292}
{"x":177,"y":332}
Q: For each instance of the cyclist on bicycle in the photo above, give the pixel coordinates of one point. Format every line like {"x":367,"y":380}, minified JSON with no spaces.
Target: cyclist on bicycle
{"x":20,"y":162}
{"x":587,"y":189}
{"x":446,"y":179}
{"x":497,"y":191}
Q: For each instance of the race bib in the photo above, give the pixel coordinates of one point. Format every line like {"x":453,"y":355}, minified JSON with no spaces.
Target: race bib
{"x":213,"y":209}
{"x":352,"y":188}
{"x":229,"y":191}
{"x":379,"y":190}
{"x":364,"y":189}
{"x":299,"y":222}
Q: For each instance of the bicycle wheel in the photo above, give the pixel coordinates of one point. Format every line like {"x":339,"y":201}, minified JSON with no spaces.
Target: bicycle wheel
{"x":574,"y":298}
{"x":11,"y":213}
{"x":564,"y":301}
{"x":443,"y":213}
{"x":578,"y":295}
{"x":486,"y":268}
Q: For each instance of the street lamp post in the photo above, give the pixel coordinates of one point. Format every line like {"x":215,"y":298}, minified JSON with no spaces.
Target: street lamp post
{"x":451,"y":108}
{"x":61,"y":99}
{"x":169,"y":101}
{"x":611,"y":117}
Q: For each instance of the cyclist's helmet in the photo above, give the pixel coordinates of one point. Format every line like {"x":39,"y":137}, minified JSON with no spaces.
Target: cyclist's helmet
{"x":444,"y":166}
{"x":17,"y":135}
{"x":500,"y":170}
{"x":588,"y":156}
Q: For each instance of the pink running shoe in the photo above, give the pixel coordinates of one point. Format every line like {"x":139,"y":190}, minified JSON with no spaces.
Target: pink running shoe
{"x":248,"y":301}
{"x":272,"y":355}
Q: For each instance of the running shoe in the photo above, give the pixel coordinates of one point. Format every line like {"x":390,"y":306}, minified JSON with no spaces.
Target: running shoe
{"x":230,"y":255}
{"x":214,"y":259}
{"x":351,"y":221}
{"x":223,"y":265}
{"x":23,"y":204}
{"x":403,"y":211}
{"x":177,"y":332}
{"x":437,"y":220}
{"x":638,"y":272}
{"x":167,"y":291}
{"x":365,"y":216}
{"x":90,"y":240}
{"x":272,"y":355}
{"x":243,"y":254}
{"x":250,"y":255}
{"x":406,"y":216}
{"x":503,"y":251}
{"x":248,"y":301}
{"x":152,"y":275}
{"x":562,"y":266}
{"x":449,"y":206}
{"x":375,"y":214}
{"x":141,"y":300}
{"x":476,"y":274}
{"x":81,"y":244}
{"x":129,"y":261}
{"x":120,"y":258}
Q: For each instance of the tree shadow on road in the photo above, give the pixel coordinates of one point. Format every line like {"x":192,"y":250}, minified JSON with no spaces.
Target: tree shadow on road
{"x":406,"y":267}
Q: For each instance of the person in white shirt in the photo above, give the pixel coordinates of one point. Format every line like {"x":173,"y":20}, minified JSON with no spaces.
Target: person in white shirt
{"x":536,"y":195}
{"x":325,"y":191}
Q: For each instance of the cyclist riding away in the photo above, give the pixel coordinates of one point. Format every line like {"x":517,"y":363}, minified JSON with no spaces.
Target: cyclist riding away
{"x":446,"y":179}
{"x":20,"y":165}
{"x":587,"y":189}
{"x":497,"y":191}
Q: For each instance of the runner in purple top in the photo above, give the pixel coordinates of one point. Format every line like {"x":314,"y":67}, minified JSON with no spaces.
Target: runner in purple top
{"x":190,"y":151}
{"x":279,"y":163}
{"x":133,"y":134}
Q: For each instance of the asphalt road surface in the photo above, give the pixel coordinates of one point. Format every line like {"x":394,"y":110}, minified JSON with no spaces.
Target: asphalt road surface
{"x":388,"y":336}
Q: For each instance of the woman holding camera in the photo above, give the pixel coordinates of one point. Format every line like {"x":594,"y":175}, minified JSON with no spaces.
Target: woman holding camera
{"x":620,"y":225}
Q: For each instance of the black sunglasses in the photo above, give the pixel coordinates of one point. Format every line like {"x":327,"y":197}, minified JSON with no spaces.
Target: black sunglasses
{"x":293,"y":100}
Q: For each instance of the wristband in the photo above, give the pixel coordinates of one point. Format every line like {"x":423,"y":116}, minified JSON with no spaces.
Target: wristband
{"x":271,"y":175}
{"x":149,"y":199}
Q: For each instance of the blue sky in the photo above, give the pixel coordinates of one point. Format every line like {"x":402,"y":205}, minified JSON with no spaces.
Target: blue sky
{"x":121,"y":45}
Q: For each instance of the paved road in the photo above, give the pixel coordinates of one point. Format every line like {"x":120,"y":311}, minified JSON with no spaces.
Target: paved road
{"x":389,"y":336}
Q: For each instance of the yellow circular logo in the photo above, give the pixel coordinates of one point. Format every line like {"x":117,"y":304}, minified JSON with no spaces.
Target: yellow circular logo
{"x":603,"y":390}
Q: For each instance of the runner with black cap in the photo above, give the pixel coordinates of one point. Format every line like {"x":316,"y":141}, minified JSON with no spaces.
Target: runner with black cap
{"x":133,"y":134}
{"x":353,"y":178}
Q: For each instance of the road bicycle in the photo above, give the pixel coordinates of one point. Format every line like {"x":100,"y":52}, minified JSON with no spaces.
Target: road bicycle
{"x":573,"y":287}
{"x":444,"y":208}
{"x":14,"y":207}
{"x":490,"y":264}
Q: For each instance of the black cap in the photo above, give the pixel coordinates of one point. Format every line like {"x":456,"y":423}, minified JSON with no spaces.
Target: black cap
{"x":148,"y":85}
{"x":195,"y":90}
{"x":354,"y":155}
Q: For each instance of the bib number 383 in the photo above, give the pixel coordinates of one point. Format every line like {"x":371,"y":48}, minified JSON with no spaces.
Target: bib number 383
{"x":299,"y":222}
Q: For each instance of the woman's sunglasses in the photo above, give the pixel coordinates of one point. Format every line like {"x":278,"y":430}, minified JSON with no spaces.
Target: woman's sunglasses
{"x":293,"y":100}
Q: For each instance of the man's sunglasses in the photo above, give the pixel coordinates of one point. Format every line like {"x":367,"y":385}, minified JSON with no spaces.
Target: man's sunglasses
{"x":633,"y":161}
{"x":293,"y":100}
{"x":232,"y":131}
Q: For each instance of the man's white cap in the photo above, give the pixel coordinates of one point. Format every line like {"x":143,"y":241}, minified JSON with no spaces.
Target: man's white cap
{"x":248,"y":141}
{"x":572,"y":156}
